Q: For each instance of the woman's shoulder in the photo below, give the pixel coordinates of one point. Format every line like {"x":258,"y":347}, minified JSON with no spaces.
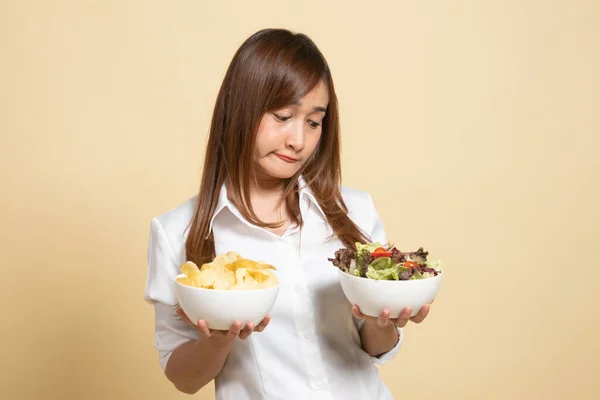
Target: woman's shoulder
{"x":361,"y":208}
{"x":176,"y":221}
{"x":362,"y":211}
{"x":355,"y":198}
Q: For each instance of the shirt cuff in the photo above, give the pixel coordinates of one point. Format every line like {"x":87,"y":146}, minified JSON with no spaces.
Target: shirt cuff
{"x":163,"y":358}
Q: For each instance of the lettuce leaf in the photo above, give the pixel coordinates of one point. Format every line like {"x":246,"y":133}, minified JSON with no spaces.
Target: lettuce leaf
{"x":382,"y":263}
{"x":385,"y":270}
{"x":434,"y":264}
{"x":383,"y":274}
{"x":370,"y":247}
{"x":416,"y":275}
{"x":363,"y":259}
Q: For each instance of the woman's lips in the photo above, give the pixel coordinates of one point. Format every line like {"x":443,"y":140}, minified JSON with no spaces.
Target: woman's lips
{"x":286,"y":158}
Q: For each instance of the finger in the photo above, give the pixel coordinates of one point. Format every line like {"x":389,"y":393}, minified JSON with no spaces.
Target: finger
{"x":421,"y":314}
{"x":403,"y":318}
{"x":357,"y":313}
{"x":235,"y":330}
{"x":203,"y":328}
{"x":383,"y":319}
{"x":248,"y":329}
{"x":184,"y":317}
{"x":263,"y":324}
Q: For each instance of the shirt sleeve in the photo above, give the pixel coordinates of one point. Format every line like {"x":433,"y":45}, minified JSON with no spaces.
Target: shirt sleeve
{"x":377,"y":234}
{"x":169,"y":330}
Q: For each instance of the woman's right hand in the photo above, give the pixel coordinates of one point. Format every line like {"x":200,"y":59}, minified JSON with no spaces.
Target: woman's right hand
{"x":225,"y":337}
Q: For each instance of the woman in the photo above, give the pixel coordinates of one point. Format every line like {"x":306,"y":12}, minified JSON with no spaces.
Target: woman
{"x":270,"y":191}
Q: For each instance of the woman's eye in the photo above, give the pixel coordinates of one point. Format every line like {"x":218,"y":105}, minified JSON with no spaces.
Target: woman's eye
{"x":281,"y":118}
{"x":313,"y":124}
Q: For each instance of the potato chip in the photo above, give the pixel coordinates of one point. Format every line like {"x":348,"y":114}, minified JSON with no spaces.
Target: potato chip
{"x":264,"y":277}
{"x":226,"y":259}
{"x":226,"y":275}
{"x":205,"y":266}
{"x":245,"y":280}
{"x":229,"y":271}
{"x":207,"y":277}
{"x":243,"y":263}
{"x":183,"y":280}
{"x":231,"y":256}
{"x":241,"y":274}
{"x":223,"y":284}
{"x":192,"y":273}
{"x":247,"y":284}
{"x":265,"y":266}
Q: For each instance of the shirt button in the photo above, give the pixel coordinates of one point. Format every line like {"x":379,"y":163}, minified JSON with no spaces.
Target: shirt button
{"x":306,"y":335}
{"x":319,"y":386}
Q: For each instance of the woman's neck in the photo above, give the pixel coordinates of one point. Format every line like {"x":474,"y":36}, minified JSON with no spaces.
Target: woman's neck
{"x":269,"y":204}
{"x":266,"y":192}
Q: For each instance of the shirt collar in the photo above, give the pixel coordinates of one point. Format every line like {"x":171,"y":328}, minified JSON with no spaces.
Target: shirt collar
{"x":303,"y":192}
{"x":222,"y":202}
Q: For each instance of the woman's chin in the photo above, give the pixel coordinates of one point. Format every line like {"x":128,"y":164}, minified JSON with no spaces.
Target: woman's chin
{"x":281,"y":174}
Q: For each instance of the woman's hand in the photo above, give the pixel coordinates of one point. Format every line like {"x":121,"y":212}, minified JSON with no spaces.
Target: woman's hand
{"x":384,"y":318}
{"x":225,"y":337}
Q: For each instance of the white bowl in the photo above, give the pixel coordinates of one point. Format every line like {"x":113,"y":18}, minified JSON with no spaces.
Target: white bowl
{"x":221,"y":308}
{"x":373,"y":296}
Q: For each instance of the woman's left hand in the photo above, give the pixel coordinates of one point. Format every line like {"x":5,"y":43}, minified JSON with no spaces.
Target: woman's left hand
{"x":384,"y":318}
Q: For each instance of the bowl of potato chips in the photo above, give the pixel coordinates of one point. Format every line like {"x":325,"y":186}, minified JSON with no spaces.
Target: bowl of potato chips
{"x":230,"y":288}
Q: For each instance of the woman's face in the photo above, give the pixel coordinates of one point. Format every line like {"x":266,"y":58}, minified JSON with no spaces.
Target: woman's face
{"x":288,"y":136}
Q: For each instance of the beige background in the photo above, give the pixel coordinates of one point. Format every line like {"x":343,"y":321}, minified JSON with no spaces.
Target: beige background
{"x":473,"y":124}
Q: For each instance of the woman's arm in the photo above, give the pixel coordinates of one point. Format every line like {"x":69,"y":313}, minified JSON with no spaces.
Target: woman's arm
{"x":195,"y":363}
{"x":378,"y":335}
{"x":376,"y":341}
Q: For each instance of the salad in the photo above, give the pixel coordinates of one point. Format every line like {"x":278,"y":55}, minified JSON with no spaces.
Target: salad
{"x":385,"y":262}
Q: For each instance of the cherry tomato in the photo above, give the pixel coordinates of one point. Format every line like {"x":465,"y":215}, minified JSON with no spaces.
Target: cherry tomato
{"x":381,"y":252}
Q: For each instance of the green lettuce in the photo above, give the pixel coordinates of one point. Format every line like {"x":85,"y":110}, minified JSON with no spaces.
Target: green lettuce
{"x":416,"y":275}
{"x":382,"y":263}
{"x":382,"y":274}
{"x":384,"y":269}
{"x":434,"y":264}
{"x":370,"y":247}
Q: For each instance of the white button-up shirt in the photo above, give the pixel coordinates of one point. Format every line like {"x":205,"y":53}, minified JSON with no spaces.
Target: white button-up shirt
{"x":311,"y":348}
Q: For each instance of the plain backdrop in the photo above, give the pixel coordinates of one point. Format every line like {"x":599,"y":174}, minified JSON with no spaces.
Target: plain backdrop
{"x":473,"y":124}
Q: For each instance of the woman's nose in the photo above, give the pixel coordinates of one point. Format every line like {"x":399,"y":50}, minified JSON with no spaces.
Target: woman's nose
{"x":295,"y":137}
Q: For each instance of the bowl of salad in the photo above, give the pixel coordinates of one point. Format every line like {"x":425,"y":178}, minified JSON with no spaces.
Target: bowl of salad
{"x":377,"y":277}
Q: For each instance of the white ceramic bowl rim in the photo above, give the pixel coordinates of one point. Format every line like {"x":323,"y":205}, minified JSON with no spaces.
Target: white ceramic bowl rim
{"x":220,"y":290}
{"x":391,"y":280}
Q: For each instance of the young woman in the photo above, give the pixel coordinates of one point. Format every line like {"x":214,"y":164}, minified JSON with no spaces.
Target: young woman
{"x":271,"y":191}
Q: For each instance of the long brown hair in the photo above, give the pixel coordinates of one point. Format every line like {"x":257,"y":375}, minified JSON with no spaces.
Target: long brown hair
{"x":272,"y":69}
